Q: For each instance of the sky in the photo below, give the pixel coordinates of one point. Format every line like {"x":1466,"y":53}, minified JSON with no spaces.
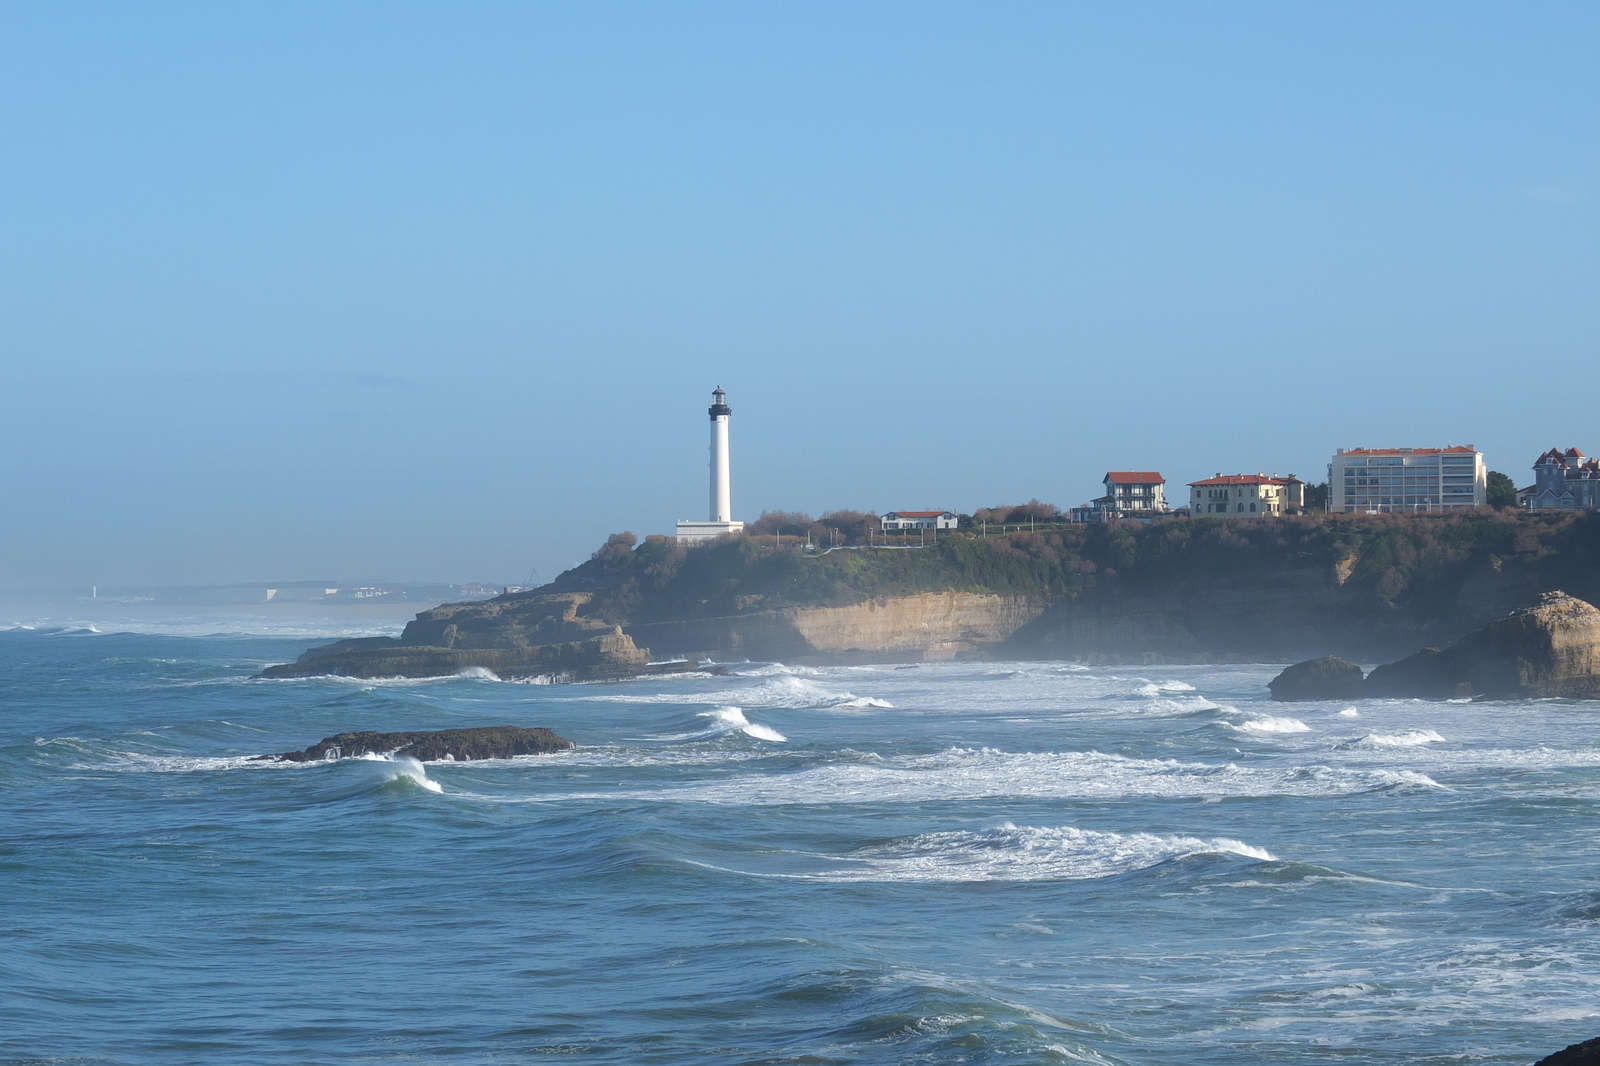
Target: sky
{"x":439,"y":291}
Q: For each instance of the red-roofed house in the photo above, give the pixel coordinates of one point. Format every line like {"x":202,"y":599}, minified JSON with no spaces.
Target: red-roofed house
{"x":900,"y":521}
{"x":1563,"y":481}
{"x":1129,"y":494}
{"x":1245,"y":495}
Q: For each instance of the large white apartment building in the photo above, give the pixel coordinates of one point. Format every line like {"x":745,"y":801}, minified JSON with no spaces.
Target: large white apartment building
{"x":1363,"y":480}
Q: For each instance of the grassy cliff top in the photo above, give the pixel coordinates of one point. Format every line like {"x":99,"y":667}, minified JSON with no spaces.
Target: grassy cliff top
{"x":1416,"y":563}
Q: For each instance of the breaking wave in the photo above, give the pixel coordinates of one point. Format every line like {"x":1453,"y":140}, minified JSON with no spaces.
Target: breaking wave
{"x":1269,"y":723}
{"x":1411,"y":738}
{"x":728,"y":719}
{"x":1025,"y":853}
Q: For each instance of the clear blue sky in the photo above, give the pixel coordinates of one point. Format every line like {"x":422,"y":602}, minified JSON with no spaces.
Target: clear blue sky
{"x":440,"y":290}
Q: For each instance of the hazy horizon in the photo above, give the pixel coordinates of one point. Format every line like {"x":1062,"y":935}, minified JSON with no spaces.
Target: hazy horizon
{"x":440,"y":293}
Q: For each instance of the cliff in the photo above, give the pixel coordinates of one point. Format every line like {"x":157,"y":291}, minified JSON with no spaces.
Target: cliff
{"x":529,"y":637}
{"x":1549,"y":649}
{"x":929,"y":625}
{"x":1372,"y":587}
{"x":1367,"y":587}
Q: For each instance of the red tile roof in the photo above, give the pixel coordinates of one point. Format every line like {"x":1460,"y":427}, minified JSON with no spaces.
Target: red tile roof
{"x":1133,"y":477}
{"x":1459,"y":449}
{"x":1247,"y":479}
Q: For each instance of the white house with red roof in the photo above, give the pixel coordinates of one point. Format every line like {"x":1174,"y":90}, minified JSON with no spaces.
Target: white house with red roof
{"x":1372,"y":480}
{"x":1245,"y":495}
{"x":1129,"y":494}
{"x":900,"y":521}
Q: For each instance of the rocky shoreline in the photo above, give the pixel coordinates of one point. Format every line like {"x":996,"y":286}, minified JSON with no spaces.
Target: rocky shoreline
{"x":517,"y":638}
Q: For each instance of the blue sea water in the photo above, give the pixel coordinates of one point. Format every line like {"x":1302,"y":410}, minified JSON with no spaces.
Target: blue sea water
{"x":946,"y":863}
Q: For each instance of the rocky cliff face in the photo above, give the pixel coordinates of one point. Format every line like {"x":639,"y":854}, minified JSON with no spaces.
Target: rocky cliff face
{"x":517,"y":638}
{"x":1277,"y":615}
{"x":1551,"y":649}
{"x":928,"y":626}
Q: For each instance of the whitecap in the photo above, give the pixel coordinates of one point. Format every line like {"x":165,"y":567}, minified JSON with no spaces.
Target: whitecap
{"x":727,"y":719}
{"x":864,"y":702}
{"x":1411,"y":738}
{"x":409,"y":769}
{"x":1269,"y":723}
{"x":1349,"y":712}
{"x":1025,"y":853}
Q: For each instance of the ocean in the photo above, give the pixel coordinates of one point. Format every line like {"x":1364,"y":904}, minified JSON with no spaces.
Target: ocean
{"x":967,"y":862}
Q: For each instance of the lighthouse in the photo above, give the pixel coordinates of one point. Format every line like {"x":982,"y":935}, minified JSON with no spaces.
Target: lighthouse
{"x":720,"y":521}
{"x":721,"y":480}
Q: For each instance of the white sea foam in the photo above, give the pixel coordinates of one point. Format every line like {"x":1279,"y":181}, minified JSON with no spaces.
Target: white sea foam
{"x":1349,"y":712}
{"x":864,"y":702}
{"x":1411,"y":738}
{"x":1270,"y":723}
{"x":1157,"y":688}
{"x":727,"y":719}
{"x":478,"y":673}
{"x":778,"y":690}
{"x":1026,"y":853}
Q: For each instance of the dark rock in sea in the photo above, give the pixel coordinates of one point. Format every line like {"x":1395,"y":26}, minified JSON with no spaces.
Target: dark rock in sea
{"x":1584,"y":1054}
{"x":484,"y":742}
{"x":1327,"y":678}
{"x":1549,"y":649}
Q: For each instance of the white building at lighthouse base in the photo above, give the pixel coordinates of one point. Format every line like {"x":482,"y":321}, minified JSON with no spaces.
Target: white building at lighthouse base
{"x":695,"y":532}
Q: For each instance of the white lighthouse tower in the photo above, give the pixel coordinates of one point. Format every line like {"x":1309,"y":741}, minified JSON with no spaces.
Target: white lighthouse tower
{"x":721,"y":518}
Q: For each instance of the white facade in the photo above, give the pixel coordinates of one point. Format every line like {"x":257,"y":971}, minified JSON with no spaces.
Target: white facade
{"x":899,"y":521}
{"x":721,"y":520}
{"x":1363,"y":480}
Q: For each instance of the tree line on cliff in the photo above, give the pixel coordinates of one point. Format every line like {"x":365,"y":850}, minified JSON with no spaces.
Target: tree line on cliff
{"x":1416,"y":564}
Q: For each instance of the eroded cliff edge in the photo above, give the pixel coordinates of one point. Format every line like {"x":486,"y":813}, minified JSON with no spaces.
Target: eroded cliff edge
{"x":516,"y":638}
{"x":1371,"y":588}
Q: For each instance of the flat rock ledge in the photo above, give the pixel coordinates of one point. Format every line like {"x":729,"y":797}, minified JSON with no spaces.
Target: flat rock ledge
{"x":1549,"y":649}
{"x":516,"y":637}
{"x":442,"y":745}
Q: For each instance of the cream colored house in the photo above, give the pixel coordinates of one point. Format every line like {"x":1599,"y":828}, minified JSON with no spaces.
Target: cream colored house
{"x":1245,"y":495}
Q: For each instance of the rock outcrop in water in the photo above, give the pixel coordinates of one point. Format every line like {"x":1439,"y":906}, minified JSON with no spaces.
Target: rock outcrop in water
{"x":1549,"y":649}
{"x":516,"y":638}
{"x":1584,"y":1054}
{"x":484,"y":742}
{"x":1327,"y":678}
